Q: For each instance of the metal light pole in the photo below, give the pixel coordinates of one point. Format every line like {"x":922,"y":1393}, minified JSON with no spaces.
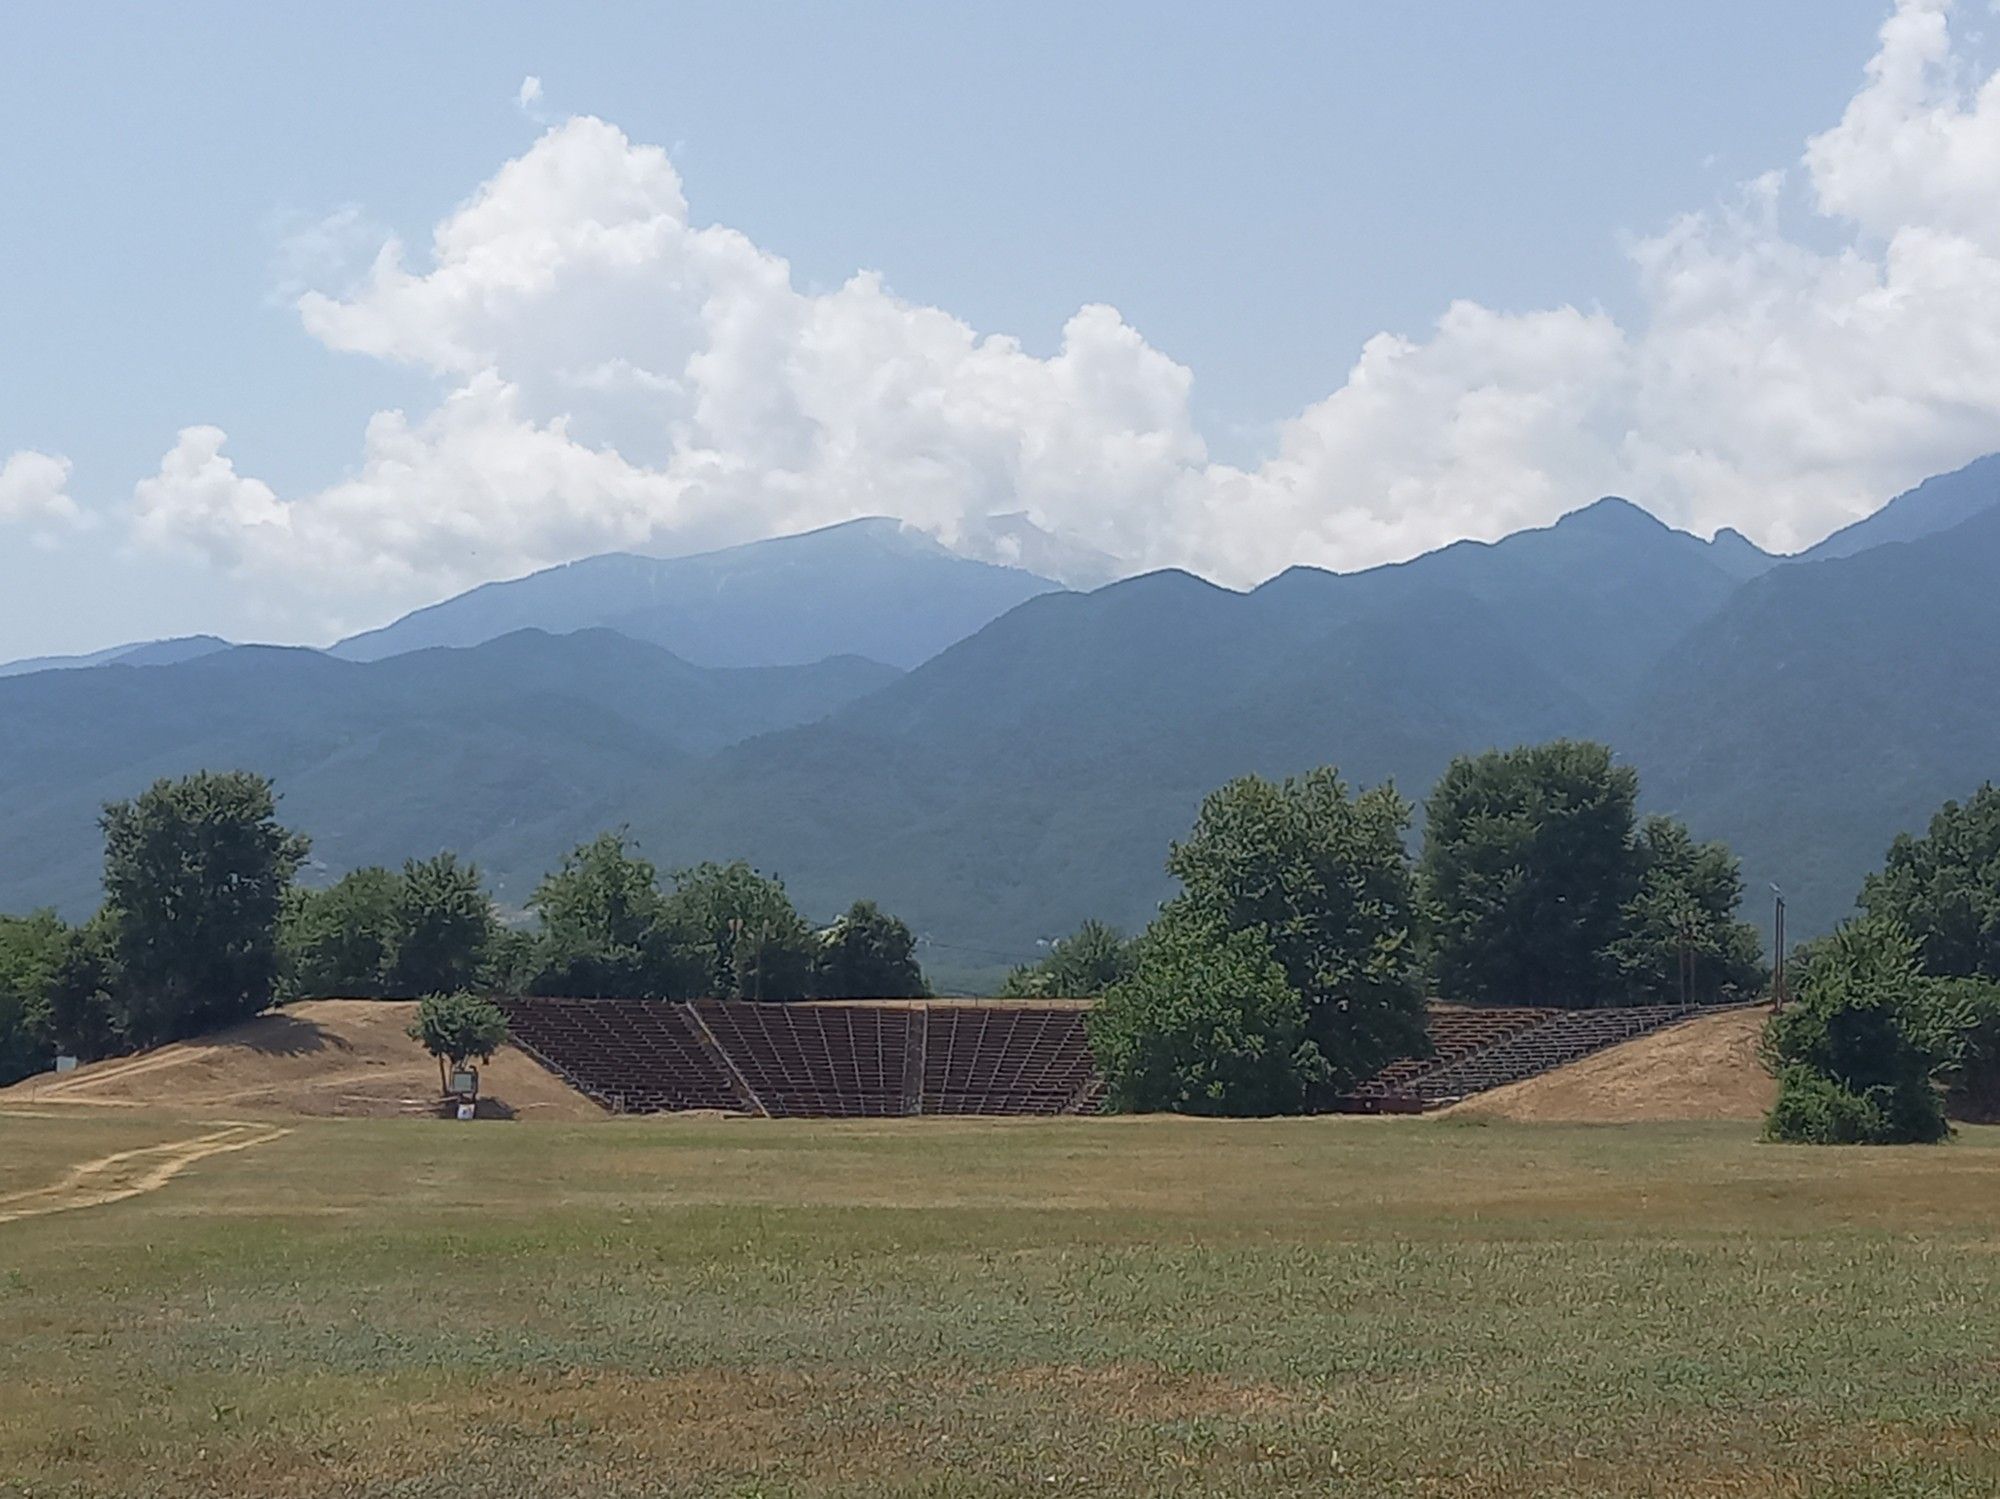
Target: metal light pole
{"x":1778,"y":944}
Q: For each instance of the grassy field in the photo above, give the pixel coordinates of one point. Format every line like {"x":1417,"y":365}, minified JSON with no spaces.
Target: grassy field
{"x":934,"y":1308}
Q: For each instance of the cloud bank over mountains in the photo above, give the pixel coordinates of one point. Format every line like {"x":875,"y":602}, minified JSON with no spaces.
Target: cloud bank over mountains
{"x":612,"y":374}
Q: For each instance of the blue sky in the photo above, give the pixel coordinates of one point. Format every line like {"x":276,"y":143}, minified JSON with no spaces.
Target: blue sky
{"x":1257,"y":191}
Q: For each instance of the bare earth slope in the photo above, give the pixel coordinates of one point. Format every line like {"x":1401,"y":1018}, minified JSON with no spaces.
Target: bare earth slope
{"x":343,"y":1058}
{"x":1699,"y":1069}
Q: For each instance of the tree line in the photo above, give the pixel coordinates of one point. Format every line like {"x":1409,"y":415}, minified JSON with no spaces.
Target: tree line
{"x":1298,"y":956}
{"x":204,"y":923}
{"x":1296,"y":960}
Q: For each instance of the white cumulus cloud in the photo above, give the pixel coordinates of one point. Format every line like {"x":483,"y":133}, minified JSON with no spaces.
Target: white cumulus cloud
{"x":34,"y":492}
{"x":613,"y":375}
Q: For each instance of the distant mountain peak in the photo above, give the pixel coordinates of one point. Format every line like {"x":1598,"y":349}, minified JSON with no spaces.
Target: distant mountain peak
{"x":1613,"y":512}
{"x":874,"y":586}
{"x":1738,"y":554}
{"x":1014,"y":540}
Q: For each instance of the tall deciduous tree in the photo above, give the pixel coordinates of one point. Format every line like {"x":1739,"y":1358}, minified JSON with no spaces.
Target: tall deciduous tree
{"x":340,"y":942}
{"x":742,"y":930}
{"x":1529,"y":863}
{"x":195,"y":873}
{"x":867,"y":954}
{"x":85,"y":1017}
{"x":605,"y":928}
{"x":1944,"y":889}
{"x":1206,"y":1023}
{"x":29,"y":949}
{"x":1080,"y":966}
{"x":443,"y":926}
{"x":1324,"y":876}
{"x":1680,"y":933}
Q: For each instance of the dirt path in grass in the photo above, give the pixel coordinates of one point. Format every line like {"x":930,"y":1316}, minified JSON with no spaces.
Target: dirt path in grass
{"x":129,"y":1173}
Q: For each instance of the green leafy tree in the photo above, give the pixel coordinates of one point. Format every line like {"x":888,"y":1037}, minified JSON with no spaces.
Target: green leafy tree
{"x":1325,"y":878}
{"x":1680,"y":932}
{"x":741,"y":932}
{"x":195,"y":873}
{"x":514,"y":958}
{"x":1080,"y":966}
{"x":867,"y":954}
{"x":443,"y":927}
{"x":1857,"y":1051}
{"x":1206,"y":1023}
{"x":1529,"y":865}
{"x":605,"y":928}
{"x":340,"y":942}
{"x":1972,"y":1010}
{"x":1944,"y":889}
{"x":29,"y":950}
{"x":85,"y":1018}
{"x":456,"y":1029}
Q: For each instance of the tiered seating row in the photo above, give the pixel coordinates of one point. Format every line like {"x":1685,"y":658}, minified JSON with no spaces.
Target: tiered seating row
{"x":1006,"y":1061}
{"x":835,"y":1060}
{"x":1455,"y":1035}
{"x":1526,"y":1044}
{"x":815,"y":1061}
{"x":634,"y":1056}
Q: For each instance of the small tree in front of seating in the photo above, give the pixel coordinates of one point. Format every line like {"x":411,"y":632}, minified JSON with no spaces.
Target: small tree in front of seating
{"x":457,"y":1029}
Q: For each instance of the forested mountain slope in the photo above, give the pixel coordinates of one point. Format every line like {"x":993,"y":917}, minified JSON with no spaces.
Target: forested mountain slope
{"x":502,"y":752}
{"x":1828,"y":707}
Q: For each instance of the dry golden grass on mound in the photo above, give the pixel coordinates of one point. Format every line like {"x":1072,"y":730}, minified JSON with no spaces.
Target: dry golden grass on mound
{"x":1700,"y":1069}
{"x":333,"y":1058}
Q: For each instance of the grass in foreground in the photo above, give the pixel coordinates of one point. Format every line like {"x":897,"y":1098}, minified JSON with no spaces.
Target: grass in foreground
{"x":928,"y":1307}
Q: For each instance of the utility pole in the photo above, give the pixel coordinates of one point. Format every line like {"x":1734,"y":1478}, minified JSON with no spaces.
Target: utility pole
{"x":1686,"y":935}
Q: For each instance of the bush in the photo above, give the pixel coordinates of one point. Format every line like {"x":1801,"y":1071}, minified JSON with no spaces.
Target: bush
{"x":1866,"y":1024}
{"x":1816,"y":1110}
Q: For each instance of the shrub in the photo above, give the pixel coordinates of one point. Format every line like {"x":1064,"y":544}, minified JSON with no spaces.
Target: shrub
{"x":1816,"y":1110}
{"x":1864,"y":1023}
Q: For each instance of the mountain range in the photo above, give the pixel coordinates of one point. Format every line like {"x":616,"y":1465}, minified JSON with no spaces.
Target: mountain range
{"x":872,"y":587}
{"x":1030,"y":770}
